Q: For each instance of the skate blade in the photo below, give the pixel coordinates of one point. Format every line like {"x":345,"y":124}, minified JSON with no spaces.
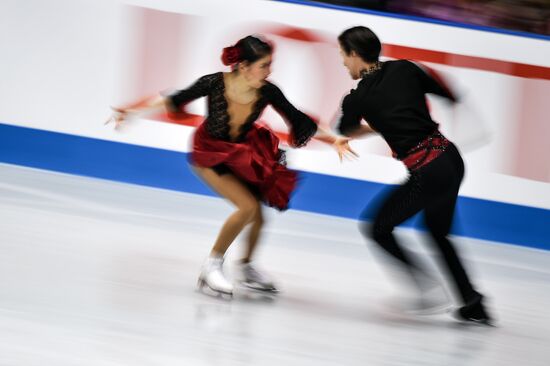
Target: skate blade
{"x":485,"y":323}
{"x":473,"y":322}
{"x":202,"y":285}
{"x":258,"y":289}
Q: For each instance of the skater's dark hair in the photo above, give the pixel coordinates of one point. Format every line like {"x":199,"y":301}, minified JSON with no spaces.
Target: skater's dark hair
{"x":249,"y":49}
{"x":361,"y":40}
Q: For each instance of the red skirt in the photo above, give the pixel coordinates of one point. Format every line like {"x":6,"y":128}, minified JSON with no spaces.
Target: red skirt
{"x":257,"y":161}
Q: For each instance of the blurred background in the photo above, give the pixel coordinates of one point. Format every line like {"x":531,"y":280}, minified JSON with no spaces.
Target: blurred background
{"x":531,"y":16}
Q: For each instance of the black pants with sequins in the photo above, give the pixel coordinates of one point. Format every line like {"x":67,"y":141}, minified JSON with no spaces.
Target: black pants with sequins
{"x":432,"y":189}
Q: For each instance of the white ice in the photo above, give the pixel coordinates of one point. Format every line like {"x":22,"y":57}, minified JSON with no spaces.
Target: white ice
{"x":100,"y":273}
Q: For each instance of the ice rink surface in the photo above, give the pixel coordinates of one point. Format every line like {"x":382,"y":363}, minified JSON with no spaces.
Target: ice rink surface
{"x":100,"y":273}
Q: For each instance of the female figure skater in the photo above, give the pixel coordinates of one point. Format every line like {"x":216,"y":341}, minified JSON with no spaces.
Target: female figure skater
{"x":390,"y":97}
{"x":237,"y":158}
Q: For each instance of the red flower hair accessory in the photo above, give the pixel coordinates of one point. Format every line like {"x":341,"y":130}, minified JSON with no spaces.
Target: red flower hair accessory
{"x":231,"y":55}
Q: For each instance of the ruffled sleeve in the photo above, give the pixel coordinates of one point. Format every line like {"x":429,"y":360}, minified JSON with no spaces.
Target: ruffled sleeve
{"x":302,"y":127}
{"x":176,"y":101}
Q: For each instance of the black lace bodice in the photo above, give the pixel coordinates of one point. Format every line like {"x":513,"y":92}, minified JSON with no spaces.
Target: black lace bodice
{"x":302,"y":127}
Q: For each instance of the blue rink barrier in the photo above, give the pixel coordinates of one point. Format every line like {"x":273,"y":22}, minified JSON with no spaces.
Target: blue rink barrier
{"x":319,"y":193}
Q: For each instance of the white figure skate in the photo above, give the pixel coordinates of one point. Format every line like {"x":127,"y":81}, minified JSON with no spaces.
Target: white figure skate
{"x":212,"y":276}
{"x":253,"y":279}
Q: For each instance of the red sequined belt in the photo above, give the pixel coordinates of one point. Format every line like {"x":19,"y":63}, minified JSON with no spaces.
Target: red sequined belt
{"x":425,"y":152}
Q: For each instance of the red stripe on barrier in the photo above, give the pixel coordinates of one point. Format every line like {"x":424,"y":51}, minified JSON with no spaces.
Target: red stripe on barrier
{"x":471,"y":62}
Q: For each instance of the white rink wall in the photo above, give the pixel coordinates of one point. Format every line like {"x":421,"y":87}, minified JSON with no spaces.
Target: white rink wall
{"x":64,"y":62}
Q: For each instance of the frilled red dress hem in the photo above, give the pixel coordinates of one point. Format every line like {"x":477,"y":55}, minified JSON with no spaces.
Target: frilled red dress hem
{"x":256,"y":160}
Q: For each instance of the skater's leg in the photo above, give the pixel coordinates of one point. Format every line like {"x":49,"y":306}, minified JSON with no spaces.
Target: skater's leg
{"x":438,"y":216}
{"x":231,"y":188}
{"x":253,"y":235}
{"x":403,"y":203}
{"x":247,"y":206}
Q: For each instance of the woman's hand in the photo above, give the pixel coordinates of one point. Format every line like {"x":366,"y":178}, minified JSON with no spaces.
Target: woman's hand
{"x":118,"y":116}
{"x":341,"y":144}
{"x":143,"y":106}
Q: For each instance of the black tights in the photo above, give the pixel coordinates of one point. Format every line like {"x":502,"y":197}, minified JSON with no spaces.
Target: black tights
{"x":433,"y":189}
